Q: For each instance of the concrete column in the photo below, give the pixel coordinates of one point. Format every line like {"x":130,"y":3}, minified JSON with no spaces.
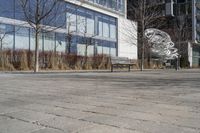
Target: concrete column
{"x":190,"y":53}
{"x":125,"y":8}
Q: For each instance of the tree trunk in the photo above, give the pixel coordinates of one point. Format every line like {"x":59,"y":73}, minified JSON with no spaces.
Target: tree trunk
{"x":142,"y":48}
{"x":142,"y":34}
{"x":149,"y":57}
{"x":68,"y":44}
{"x":1,"y":48}
{"x":69,"y":47}
{"x":142,"y":58}
{"x":86,"y":54}
{"x":1,"y":53}
{"x":36,"y":67}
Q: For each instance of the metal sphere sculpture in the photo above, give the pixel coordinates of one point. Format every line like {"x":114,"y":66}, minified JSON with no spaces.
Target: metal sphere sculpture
{"x":161,"y":44}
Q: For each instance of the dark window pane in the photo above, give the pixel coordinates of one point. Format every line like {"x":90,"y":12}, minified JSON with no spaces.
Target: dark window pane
{"x":7,"y":8}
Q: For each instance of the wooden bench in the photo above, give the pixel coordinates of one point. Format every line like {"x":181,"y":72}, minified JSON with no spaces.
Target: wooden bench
{"x":168,"y":65}
{"x":121,"y":62}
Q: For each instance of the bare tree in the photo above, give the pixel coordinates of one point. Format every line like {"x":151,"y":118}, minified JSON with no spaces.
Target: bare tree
{"x":3,"y":34}
{"x":69,"y":34}
{"x":128,"y":36}
{"x":41,"y":16}
{"x":130,"y":32}
{"x":147,"y":14}
{"x":181,"y":34}
{"x":87,"y":39}
{"x":68,"y":39}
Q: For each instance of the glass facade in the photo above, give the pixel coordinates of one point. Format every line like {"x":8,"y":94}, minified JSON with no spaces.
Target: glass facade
{"x":196,"y":26}
{"x":198,"y":20}
{"x":196,"y":55}
{"x":115,"y":5}
{"x":80,"y":26}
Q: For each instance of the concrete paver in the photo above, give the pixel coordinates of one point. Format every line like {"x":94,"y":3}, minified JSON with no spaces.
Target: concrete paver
{"x":166,"y":101}
{"x":12,"y":125}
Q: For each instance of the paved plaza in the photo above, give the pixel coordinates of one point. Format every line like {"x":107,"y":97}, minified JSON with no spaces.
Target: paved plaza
{"x":162,"y":101}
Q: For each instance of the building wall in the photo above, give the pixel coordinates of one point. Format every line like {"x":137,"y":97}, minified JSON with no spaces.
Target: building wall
{"x":189,"y":10}
{"x":88,"y":22}
{"x":127,"y":38}
{"x":196,"y":33}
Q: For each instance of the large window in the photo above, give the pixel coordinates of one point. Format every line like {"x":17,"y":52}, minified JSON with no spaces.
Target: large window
{"x":116,"y":5}
{"x":113,"y":31}
{"x":60,"y":42}
{"x":81,"y":21}
{"x":49,"y":41}
{"x":106,"y":47}
{"x":71,"y":23}
{"x":100,"y":25}
{"x":60,"y":17}
{"x":106,"y":28}
{"x":19,"y":14}
{"x":7,"y":8}
{"x":32,"y":39}
{"x":21,"y":38}
{"x":7,"y":36}
{"x":90,"y":23}
{"x":113,"y":48}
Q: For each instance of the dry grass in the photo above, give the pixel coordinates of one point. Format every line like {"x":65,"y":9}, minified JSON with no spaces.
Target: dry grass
{"x":24,"y":60}
{"x":5,"y":62}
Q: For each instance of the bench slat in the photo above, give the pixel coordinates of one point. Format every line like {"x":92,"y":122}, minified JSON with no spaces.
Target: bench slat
{"x":120,"y":60}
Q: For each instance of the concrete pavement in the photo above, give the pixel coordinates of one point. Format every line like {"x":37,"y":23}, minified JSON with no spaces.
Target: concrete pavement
{"x":164,"y":101}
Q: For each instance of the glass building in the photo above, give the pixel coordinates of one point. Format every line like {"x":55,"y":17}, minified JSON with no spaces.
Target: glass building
{"x":181,"y":16}
{"x":196,"y":31}
{"x":94,"y":23}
